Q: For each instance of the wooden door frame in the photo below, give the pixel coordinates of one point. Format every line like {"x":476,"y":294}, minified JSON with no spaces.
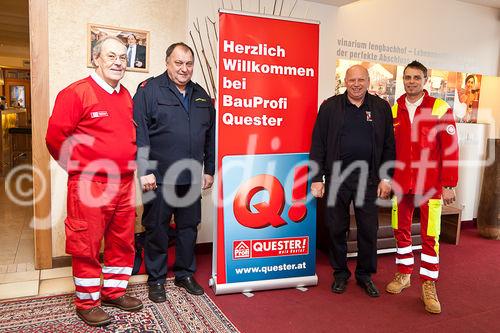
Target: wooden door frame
{"x":40,"y":112}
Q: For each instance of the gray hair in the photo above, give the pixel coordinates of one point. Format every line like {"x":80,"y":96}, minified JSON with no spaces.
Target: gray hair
{"x":96,"y":50}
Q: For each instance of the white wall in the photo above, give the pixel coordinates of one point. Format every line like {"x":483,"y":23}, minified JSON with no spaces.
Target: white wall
{"x":166,"y":21}
{"x":466,"y":36}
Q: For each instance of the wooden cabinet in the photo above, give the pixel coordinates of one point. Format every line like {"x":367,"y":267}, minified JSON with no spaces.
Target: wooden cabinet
{"x":488,"y":217}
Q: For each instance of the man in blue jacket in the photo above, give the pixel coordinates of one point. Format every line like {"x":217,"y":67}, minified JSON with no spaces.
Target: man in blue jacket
{"x":175,"y":122}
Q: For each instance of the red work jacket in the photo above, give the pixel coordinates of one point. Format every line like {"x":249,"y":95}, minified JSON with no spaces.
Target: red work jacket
{"x":427,"y":149}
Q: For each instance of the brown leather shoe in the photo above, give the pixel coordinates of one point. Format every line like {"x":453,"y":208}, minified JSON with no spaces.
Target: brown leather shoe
{"x":94,"y":316}
{"x":125,"y":303}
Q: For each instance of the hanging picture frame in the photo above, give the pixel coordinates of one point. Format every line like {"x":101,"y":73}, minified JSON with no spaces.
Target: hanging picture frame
{"x":137,"y":42}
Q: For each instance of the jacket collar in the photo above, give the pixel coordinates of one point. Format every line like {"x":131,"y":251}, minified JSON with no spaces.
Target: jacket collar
{"x":402,"y":99}
{"x":366,"y":100}
{"x":104,"y":85}
{"x":166,"y":82}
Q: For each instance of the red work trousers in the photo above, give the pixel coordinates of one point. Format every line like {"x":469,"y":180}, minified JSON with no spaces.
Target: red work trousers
{"x":98,"y":210}
{"x":430,"y":227}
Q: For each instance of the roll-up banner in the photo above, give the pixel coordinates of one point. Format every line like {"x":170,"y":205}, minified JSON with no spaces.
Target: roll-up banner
{"x":265,"y":236}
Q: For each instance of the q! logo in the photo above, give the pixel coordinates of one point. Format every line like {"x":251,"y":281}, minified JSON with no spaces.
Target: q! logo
{"x":269,"y":213}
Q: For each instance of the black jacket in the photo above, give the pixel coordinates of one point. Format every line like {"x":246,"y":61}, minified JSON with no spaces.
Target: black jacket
{"x":140,"y":56}
{"x":167,"y":133}
{"x":325,"y":146}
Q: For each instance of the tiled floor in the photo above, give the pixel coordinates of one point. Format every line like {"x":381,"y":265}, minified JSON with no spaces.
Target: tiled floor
{"x":18,"y":276}
{"x":16,"y":233}
{"x":42,"y":282}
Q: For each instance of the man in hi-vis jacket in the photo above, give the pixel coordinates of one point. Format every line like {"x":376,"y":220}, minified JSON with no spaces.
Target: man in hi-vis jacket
{"x":425,"y":176}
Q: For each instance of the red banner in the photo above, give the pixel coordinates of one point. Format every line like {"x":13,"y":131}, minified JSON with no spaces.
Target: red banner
{"x":267,"y":75}
{"x":267,"y":105}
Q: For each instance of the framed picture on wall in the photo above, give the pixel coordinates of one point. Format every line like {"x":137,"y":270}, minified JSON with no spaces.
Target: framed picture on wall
{"x":17,"y":97}
{"x":137,"y":42}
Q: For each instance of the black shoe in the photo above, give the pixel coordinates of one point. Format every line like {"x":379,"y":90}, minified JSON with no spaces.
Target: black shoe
{"x":190,"y":284}
{"x":339,"y":286}
{"x":369,"y":287}
{"x":156,"y":293}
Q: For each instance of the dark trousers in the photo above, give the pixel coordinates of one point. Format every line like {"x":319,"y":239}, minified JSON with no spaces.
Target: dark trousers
{"x":338,"y":219}
{"x":156,"y":219}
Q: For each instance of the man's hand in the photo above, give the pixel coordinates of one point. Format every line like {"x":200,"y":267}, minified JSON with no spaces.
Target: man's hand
{"x":448,"y":196}
{"x":318,"y":189}
{"x":384,"y":189}
{"x":207,"y":182}
{"x":148,"y":182}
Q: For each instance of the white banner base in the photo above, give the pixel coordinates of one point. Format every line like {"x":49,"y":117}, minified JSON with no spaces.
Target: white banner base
{"x":251,"y":286}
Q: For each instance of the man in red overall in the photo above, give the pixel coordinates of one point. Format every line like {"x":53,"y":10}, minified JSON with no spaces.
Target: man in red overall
{"x":92,"y":136}
{"x":425,"y":176}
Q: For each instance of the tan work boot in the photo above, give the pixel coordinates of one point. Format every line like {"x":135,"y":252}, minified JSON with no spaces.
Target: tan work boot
{"x":430,"y":298}
{"x":398,"y":283}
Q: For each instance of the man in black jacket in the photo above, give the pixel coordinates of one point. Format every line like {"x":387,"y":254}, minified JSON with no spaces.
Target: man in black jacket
{"x":353,"y":146}
{"x":175,"y":122}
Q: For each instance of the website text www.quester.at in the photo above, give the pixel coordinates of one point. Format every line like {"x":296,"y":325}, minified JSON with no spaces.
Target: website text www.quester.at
{"x":271,"y":268}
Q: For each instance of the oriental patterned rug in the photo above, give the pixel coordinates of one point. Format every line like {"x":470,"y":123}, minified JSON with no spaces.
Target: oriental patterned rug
{"x":181,"y":312}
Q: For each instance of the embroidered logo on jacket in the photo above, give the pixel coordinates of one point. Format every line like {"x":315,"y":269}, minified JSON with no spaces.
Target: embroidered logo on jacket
{"x":98,"y":114}
{"x":368,"y":115}
{"x":200,"y":100}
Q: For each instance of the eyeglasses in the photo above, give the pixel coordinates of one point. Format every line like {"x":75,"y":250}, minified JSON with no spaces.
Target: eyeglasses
{"x":111,"y":57}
